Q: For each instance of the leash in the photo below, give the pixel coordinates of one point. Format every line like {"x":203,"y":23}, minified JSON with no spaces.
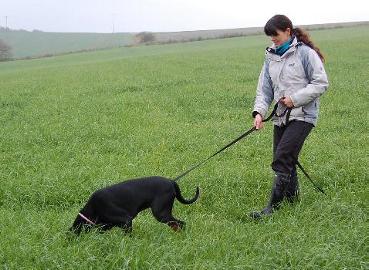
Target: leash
{"x":311,"y":180}
{"x":248,"y":132}
{"x":216,"y":153}
{"x":228,"y":145}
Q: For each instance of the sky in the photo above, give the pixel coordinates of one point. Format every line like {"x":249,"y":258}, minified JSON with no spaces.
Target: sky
{"x":107,"y":16}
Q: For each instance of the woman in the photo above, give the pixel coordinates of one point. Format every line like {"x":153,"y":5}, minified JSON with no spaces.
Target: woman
{"x":293,"y":75}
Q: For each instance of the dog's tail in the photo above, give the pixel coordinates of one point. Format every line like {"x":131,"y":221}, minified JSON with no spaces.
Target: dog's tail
{"x":180,"y":197}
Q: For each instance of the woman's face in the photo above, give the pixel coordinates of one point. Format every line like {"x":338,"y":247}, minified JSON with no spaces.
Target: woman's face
{"x":281,"y":37}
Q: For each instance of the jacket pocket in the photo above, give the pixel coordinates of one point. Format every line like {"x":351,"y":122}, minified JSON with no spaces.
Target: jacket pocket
{"x":310,"y":109}
{"x":297,"y":112}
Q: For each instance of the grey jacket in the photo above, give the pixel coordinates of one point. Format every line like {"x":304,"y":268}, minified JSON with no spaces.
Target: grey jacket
{"x":298,"y":73}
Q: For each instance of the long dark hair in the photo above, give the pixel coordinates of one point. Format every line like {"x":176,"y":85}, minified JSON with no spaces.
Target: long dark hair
{"x":282,"y":22}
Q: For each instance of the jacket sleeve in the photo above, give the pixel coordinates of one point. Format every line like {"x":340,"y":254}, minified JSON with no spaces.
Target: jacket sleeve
{"x":264,"y":92}
{"x":318,"y":81}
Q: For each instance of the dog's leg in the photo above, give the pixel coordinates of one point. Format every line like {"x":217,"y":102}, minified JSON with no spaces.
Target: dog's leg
{"x":117,"y":217}
{"x":124,"y":222}
{"x":162,"y":211}
{"x":176,"y":225}
{"x":127,"y":226}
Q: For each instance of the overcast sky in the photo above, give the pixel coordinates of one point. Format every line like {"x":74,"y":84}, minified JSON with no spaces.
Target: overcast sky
{"x":170,"y":15}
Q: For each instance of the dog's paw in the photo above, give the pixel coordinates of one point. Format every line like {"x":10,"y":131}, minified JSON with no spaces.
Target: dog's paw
{"x":177,"y":226}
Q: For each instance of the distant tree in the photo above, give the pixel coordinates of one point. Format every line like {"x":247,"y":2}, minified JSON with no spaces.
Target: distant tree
{"x":5,"y":51}
{"x":144,"y":37}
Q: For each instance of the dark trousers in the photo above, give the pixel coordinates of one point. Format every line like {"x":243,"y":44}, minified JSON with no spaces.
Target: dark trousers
{"x":287,"y":144}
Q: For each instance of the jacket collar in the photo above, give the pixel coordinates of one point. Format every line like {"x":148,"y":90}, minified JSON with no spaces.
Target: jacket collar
{"x":270,"y":51}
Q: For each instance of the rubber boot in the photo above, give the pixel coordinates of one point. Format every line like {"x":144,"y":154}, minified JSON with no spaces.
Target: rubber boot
{"x":292,"y":191}
{"x":278,"y":193}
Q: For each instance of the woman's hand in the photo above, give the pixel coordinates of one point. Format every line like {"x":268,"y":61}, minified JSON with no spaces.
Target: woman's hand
{"x":287,"y":101}
{"x":258,"y":121}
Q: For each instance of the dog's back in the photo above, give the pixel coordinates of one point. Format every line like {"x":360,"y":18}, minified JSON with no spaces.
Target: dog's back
{"x":135,"y":195}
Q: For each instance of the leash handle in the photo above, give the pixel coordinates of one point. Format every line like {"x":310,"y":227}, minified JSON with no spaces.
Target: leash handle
{"x":274,"y":112}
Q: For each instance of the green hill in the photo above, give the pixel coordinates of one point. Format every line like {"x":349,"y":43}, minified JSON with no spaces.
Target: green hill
{"x":26,"y":44}
{"x":34,"y":44}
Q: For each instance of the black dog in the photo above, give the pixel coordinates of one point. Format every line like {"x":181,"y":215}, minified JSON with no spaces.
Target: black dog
{"x":119,"y":204}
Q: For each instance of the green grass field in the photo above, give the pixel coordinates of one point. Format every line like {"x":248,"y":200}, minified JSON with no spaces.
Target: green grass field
{"x":75,"y":123}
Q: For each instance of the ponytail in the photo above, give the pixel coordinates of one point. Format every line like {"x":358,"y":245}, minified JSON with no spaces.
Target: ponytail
{"x":304,"y":37}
